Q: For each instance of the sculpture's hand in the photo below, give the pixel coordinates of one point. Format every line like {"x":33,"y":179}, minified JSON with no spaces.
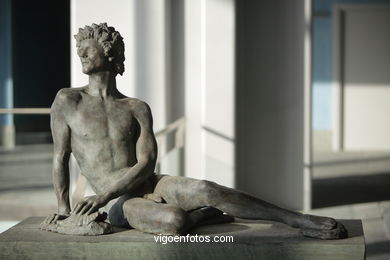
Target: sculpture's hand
{"x":52,"y":219}
{"x":89,"y":204}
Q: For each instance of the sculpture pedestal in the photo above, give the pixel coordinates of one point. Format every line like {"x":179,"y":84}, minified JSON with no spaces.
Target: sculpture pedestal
{"x":252,"y":240}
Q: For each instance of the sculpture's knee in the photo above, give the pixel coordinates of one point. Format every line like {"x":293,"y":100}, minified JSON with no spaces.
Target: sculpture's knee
{"x":175,"y":221}
{"x":208,"y":191}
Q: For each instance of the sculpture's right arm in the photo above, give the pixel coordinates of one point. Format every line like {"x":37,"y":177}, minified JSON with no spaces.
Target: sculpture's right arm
{"x":62,"y":149}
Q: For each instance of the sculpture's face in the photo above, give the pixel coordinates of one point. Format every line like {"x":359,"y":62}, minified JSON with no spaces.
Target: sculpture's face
{"x":92,"y":56}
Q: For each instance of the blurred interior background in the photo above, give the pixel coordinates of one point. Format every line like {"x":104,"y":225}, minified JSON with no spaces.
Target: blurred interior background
{"x":286,"y":100}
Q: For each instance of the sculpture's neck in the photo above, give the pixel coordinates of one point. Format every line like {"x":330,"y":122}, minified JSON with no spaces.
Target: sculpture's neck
{"x":102,"y":84}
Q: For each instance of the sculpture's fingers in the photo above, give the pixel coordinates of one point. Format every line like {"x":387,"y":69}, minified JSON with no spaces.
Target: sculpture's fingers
{"x":77,"y":220}
{"x":92,"y":210}
{"x":79,"y":206}
{"x":47,"y":219}
{"x":76,"y":207}
{"x":44,"y":223}
{"x":85,"y":208}
{"x":87,"y":219}
{"x":55,"y":219}
{"x":50,"y":218}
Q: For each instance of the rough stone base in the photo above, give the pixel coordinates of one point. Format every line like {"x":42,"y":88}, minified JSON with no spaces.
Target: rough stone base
{"x":84,"y":225}
{"x":252,"y":240}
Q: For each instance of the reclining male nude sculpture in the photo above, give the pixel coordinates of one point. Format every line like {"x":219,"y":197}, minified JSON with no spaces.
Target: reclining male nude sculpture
{"x":111,"y":136}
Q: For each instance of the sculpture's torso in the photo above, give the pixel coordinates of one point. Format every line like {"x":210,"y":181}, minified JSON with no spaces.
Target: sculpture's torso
{"x":102,"y":136}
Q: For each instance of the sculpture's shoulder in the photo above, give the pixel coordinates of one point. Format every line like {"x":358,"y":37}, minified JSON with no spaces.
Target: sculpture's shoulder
{"x":138,"y":107}
{"x":67,"y":97}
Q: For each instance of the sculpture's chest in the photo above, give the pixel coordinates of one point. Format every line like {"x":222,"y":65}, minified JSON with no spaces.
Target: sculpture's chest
{"x":94,"y":119}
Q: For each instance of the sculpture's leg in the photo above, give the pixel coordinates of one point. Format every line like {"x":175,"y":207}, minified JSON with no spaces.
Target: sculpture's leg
{"x":161,"y":218}
{"x":189,"y":194}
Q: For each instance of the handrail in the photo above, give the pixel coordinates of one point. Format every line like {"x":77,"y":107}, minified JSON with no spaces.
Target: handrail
{"x":170,"y":128}
{"x":161,"y":137}
{"x":24,"y":110}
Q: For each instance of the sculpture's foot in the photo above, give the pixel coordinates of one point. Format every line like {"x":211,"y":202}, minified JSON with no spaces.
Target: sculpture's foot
{"x":338,"y":232}
{"x":316,"y":222}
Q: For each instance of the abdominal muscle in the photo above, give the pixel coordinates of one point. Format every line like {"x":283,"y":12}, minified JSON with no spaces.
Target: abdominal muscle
{"x":105,"y":162}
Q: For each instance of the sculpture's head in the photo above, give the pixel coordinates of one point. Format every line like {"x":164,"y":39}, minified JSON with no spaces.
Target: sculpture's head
{"x":100,"y":45}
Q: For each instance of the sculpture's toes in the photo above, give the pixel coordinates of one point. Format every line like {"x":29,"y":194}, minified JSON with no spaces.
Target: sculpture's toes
{"x":338,"y":232}
{"x":317,"y":222}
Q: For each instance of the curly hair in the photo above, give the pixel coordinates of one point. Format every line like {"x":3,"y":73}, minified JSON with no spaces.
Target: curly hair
{"x":110,"y":40}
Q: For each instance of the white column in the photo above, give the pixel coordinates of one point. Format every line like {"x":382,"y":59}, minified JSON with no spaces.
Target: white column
{"x":218,"y":119}
{"x":273,"y":76}
{"x":307,"y":113}
{"x":151,"y":60}
{"x":119,"y":14}
{"x":209,"y":67}
{"x":194,"y":37}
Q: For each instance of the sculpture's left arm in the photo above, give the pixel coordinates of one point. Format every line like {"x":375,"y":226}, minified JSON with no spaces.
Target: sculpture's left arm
{"x":146,"y":153}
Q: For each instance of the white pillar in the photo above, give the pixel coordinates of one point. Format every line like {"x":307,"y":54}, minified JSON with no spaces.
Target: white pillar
{"x":209,"y":90}
{"x":194,"y":37}
{"x":273,"y":99}
{"x":218,"y":118}
{"x":151,"y":56}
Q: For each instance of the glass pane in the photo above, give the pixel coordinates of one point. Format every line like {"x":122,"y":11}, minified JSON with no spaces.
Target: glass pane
{"x":32,"y":129}
{"x":35,"y":60}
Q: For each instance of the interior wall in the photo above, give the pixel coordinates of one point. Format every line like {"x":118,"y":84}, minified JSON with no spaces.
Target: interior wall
{"x":270,"y":99}
{"x":322,"y":66}
{"x":365,"y":78}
